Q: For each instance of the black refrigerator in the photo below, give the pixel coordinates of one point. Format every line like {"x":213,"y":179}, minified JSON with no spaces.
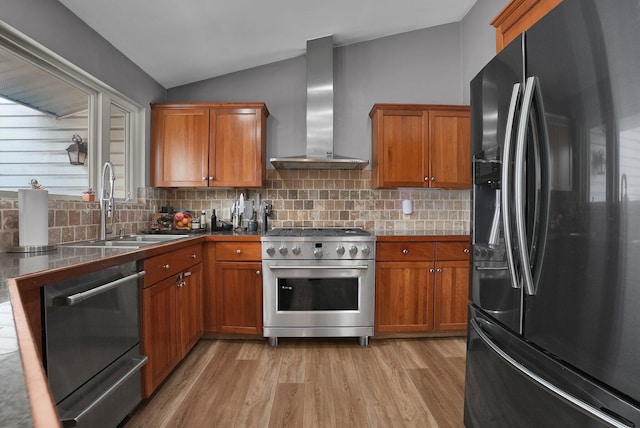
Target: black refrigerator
{"x":554,"y":318}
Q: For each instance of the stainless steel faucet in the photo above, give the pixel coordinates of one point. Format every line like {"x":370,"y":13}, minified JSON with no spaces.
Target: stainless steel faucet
{"x":107,"y":206}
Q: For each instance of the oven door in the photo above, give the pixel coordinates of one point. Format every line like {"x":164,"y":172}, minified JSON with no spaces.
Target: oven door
{"x":317,"y":295}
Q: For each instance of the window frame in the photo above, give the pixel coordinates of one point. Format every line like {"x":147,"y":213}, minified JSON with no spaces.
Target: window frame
{"x":101,"y":97}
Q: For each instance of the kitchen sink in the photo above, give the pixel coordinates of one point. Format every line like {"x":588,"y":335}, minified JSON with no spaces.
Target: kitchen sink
{"x":126,"y":242}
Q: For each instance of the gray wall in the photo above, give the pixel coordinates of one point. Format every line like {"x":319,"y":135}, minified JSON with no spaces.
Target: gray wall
{"x":433,"y":65}
{"x":478,"y":39}
{"x":423,"y":66}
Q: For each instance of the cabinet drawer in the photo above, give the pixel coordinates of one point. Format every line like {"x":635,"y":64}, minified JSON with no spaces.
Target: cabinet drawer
{"x":393,"y":251}
{"x":238,"y":251}
{"x":172,"y":263}
{"x":453,"y":250}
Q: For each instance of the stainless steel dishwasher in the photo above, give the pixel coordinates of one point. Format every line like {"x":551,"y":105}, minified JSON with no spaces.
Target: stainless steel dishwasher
{"x":92,"y":346}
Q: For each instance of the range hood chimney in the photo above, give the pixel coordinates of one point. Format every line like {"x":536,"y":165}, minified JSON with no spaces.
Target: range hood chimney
{"x":319,"y":153}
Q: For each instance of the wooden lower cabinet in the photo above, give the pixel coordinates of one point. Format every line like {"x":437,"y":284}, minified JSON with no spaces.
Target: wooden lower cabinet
{"x":239,"y":297}
{"x":451,"y":295}
{"x":416,"y":291}
{"x":404,"y":296}
{"x":233,"y":293}
{"x":171,"y":319}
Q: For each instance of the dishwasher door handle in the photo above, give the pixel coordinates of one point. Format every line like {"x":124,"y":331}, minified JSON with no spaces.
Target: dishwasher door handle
{"x":72,"y":421}
{"x":79,"y":297}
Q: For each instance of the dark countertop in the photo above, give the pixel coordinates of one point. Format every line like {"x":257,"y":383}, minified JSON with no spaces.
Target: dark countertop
{"x":15,"y":409}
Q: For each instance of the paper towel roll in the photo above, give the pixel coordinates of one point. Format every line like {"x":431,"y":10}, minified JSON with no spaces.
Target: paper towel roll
{"x":33,"y":217}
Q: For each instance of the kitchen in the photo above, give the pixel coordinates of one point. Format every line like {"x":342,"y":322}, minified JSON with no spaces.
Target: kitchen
{"x":340,"y":212}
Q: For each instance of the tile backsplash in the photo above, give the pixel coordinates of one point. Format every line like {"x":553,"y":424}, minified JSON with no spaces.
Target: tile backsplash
{"x":300,"y":198}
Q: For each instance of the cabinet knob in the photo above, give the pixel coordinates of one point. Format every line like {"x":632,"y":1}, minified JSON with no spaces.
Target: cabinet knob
{"x":432,"y":270}
{"x":238,"y":251}
{"x":439,"y":270}
{"x":210,"y":178}
{"x":204,"y":178}
{"x":193,"y":256}
{"x":257,"y":272}
{"x":433,"y":179}
{"x":426,"y":179}
{"x":466,"y":251}
{"x":405,"y":251}
{"x":166,"y":267}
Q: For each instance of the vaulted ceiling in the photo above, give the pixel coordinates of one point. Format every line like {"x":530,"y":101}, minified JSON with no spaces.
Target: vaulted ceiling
{"x":184,"y":41}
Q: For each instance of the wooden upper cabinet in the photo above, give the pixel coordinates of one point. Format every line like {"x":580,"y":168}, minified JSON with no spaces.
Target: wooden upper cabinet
{"x":417,"y":145}
{"x":450,"y":149}
{"x":208,"y":144}
{"x":179,"y":147}
{"x":237,"y":152}
{"x":518,"y":16}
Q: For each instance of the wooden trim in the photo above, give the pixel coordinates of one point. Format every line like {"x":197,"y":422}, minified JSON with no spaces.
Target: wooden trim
{"x":195,"y":105}
{"x":43,"y":409}
{"x":417,"y":107}
{"x":518,"y":16}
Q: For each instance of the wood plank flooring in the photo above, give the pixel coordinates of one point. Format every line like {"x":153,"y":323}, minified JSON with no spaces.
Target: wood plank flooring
{"x":312,"y":383}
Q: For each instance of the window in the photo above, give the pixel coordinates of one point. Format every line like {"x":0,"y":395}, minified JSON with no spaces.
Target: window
{"x":46,"y":101}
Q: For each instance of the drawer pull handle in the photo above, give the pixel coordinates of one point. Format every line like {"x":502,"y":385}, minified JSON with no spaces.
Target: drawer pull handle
{"x":166,"y":267}
{"x":405,"y":251}
{"x":238,"y":251}
{"x":193,"y":256}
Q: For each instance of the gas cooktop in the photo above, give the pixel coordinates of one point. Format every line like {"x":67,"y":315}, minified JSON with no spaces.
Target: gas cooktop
{"x":317,"y":232}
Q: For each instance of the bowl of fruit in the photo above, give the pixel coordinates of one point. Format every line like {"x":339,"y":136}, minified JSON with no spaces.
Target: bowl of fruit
{"x":182,"y":220}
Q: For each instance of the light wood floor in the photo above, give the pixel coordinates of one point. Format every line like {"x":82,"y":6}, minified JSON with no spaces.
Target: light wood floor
{"x":312,"y":383}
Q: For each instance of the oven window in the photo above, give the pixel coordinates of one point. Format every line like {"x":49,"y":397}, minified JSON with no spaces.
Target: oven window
{"x":326,"y":294}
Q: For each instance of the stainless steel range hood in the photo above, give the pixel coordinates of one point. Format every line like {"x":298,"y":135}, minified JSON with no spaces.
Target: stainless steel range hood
{"x":319,"y":115}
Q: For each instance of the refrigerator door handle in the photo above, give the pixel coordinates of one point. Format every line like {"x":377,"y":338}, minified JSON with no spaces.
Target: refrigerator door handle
{"x":506,"y":186}
{"x":532,"y":108}
{"x":519,"y":186}
{"x":544,"y":384}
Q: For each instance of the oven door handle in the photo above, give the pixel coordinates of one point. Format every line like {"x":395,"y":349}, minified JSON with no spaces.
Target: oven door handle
{"x":79,"y":297}
{"x":319,"y":267}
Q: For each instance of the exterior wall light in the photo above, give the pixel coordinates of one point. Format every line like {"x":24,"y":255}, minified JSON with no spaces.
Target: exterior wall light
{"x":77,"y":151}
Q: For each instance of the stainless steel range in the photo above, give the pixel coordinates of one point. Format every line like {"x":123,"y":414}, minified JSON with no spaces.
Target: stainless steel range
{"x":318,"y":283}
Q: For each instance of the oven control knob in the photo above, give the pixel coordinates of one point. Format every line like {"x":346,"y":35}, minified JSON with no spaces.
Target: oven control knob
{"x":271,"y":251}
{"x":366,"y":250}
{"x":283,"y":250}
{"x":353,"y":250}
{"x":340,"y":250}
{"x":317,"y":253}
{"x":296,"y":250}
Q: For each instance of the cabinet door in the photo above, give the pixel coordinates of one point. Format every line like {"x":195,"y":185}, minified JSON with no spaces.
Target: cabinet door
{"x":190,"y":308}
{"x":160,"y":334}
{"x":179,"y":147}
{"x":239,"y":287}
{"x":237,"y":147}
{"x":451,"y":295}
{"x":450,"y":149}
{"x":399,"y":148}
{"x":404,"y":296}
